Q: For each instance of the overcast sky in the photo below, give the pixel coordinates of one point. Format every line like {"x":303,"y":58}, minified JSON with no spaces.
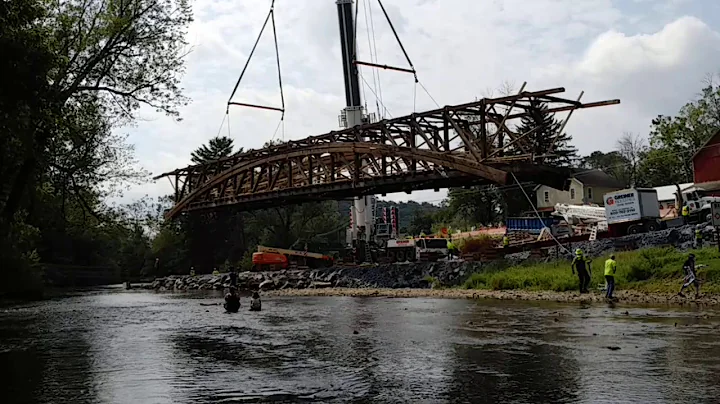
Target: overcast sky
{"x":651,"y":54}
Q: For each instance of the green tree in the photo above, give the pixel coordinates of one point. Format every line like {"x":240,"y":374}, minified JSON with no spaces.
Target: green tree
{"x":216,"y":148}
{"x":543,"y":135}
{"x":481,"y":205}
{"x":613,"y":163}
{"x":75,"y":71}
{"x":421,"y":223}
{"x":674,"y":140}
{"x":117,"y":54}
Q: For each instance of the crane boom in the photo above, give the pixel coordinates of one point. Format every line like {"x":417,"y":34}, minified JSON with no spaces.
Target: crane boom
{"x":362,"y":214}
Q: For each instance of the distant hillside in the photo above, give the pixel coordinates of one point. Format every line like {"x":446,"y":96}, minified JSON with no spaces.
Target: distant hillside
{"x":406,"y":210}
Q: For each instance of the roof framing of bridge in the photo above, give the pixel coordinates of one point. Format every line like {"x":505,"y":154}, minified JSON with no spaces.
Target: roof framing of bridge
{"x":452,"y":146}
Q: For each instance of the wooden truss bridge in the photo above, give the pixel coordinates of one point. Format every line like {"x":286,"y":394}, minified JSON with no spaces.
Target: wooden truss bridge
{"x":453,"y":146}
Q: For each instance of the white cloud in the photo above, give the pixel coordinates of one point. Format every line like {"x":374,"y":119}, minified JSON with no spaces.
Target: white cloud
{"x":460,"y":49}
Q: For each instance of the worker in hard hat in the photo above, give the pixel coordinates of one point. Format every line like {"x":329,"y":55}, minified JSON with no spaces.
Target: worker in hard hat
{"x":698,"y":236}
{"x":451,"y":249}
{"x":581,"y":264}
{"x":610,"y":269}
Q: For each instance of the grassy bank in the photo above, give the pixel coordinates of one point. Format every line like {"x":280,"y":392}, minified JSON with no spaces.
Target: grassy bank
{"x":656,"y":270}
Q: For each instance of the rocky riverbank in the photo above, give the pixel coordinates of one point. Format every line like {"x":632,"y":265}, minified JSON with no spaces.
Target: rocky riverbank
{"x":395,"y":276}
{"x":624,"y":296}
{"x":429,"y":277}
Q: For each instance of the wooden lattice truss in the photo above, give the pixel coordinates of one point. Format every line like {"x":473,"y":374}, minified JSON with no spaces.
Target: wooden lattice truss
{"x":456,"y":145}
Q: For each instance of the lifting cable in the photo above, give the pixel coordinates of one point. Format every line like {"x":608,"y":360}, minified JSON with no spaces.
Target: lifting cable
{"x":537,"y":213}
{"x":377,"y":88}
{"x":373,"y":61}
{"x":270,"y":17}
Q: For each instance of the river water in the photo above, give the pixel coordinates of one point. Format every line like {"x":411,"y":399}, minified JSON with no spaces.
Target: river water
{"x":117,"y":346}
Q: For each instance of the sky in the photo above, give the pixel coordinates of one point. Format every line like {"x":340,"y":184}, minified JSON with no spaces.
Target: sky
{"x":651,"y":54}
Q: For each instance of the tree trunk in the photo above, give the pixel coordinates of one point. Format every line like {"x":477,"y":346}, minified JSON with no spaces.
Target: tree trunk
{"x":23,"y":180}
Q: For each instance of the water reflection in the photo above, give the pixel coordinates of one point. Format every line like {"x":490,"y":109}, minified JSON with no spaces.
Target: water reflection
{"x":39,"y":347}
{"x":132,"y":346}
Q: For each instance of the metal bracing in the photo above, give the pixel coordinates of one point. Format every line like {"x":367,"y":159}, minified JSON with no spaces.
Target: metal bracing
{"x":461,"y":144}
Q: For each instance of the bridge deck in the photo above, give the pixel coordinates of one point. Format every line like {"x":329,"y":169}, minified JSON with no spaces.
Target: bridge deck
{"x":456,"y":145}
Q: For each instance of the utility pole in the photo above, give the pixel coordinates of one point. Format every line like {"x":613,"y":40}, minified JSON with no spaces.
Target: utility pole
{"x":362,"y":215}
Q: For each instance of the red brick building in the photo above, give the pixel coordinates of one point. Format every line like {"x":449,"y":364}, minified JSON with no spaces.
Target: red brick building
{"x":706,"y":166}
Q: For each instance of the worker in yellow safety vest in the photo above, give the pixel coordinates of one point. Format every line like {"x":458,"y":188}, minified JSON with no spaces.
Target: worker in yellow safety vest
{"x":610,"y":269}
{"x":506,"y":241}
{"x":581,"y":264}
{"x":698,"y":236}
{"x":685,"y":213}
{"x":451,"y":248}
{"x":422,"y":234}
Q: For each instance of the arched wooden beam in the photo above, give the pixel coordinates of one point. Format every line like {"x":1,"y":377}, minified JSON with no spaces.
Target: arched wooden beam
{"x":361,"y":150}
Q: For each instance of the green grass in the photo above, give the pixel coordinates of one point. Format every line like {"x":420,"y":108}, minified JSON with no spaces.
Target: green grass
{"x":649,"y":270}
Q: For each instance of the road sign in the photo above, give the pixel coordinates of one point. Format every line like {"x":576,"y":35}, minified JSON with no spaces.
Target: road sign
{"x":716,"y":214}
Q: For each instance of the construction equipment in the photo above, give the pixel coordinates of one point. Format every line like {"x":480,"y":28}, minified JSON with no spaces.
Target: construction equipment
{"x":699,"y":206}
{"x":576,"y":215}
{"x":270,"y":259}
{"x":633,"y":211}
{"x":427,"y":249}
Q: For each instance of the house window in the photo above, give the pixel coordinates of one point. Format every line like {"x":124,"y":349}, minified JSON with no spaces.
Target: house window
{"x":546,"y":195}
{"x":590,"y":194}
{"x":572,"y":193}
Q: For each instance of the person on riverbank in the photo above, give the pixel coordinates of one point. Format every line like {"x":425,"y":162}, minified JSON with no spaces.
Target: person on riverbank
{"x":698,"y":236}
{"x":452,"y":250}
{"x":610,"y":269}
{"x":233,"y":277}
{"x":690,"y":277}
{"x":255,"y":304}
{"x":580,"y":263}
{"x":232,"y":301}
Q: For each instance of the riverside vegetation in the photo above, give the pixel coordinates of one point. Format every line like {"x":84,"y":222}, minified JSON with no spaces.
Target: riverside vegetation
{"x":649,"y":276}
{"x":653,"y":270}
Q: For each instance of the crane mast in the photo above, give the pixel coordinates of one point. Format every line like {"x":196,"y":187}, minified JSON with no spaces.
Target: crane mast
{"x":363,"y":210}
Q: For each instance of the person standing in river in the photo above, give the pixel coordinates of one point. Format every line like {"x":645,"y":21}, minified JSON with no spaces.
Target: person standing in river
{"x":255,"y":304}
{"x":232,"y":301}
{"x":610,"y":269}
{"x":581,"y":264}
{"x":233,"y":277}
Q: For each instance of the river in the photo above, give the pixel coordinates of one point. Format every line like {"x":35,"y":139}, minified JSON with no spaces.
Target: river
{"x":117,"y":346}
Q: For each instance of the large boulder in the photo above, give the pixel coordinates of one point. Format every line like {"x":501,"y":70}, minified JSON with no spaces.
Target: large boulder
{"x":267,"y":284}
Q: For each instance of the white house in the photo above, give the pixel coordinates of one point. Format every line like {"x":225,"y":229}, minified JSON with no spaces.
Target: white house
{"x":586,"y":187}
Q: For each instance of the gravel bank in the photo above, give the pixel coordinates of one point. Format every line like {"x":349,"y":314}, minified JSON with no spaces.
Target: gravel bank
{"x":623,"y":296}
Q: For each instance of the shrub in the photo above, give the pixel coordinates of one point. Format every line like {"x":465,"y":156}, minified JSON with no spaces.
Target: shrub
{"x":477,"y":244}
